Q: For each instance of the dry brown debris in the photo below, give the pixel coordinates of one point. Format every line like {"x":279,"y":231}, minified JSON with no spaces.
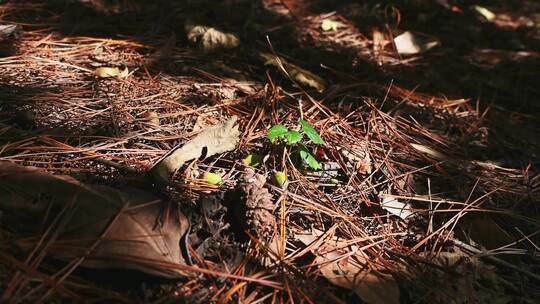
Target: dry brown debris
{"x":444,"y":159}
{"x":259,"y":204}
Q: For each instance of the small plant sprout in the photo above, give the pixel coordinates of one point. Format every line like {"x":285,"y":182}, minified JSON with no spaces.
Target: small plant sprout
{"x":213,"y":178}
{"x":280,"y":178}
{"x":330,"y":25}
{"x":253,"y":160}
{"x":295,"y":138}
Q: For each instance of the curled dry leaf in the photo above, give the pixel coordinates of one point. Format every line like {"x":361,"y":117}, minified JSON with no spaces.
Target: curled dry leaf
{"x":411,"y":44}
{"x":370,"y":285}
{"x":459,"y":275}
{"x":209,"y":38}
{"x":106,"y":72}
{"x":8,"y":30}
{"x":358,"y":157}
{"x":486,"y":13}
{"x":121,"y":224}
{"x":152,"y":118}
{"x":295,"y":72}
{"x":218,"y":139}
{"x":395,"y":207}
{"x":430,"y":152}
{"x":351,"y":271}
{"x":379,"y":40}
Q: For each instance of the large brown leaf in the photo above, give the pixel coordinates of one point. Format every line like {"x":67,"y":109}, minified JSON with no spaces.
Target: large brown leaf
{"x":112,"y":228}
{"x":350,"y":268}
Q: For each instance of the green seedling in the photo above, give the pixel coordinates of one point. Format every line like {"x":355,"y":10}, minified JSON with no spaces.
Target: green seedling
{"x":280,"y":179}
{"x":253,"y":160}
{"x":330,"y":25}
{"x":295,"y":138}
{"x":213,"y":178}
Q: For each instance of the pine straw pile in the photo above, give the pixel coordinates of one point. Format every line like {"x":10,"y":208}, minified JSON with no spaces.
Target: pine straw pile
{"x":420,"y":198}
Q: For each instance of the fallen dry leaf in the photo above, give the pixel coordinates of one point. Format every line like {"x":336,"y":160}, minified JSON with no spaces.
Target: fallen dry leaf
{"x":430,"y":152}
{"x":106,"y":72}
{"x":351,"y":271}
{"x":460,"y":275}
{"x":486,"y":232}
{"x":152,"y":118}
{"x":8,"y":30}
{"x":209,"y":38}
{"x":486,"y":13}
{"x":122,"y":223}
{"x":358,"y":156}
{"x":295,"y":72}
{"x":379,"y":40}
{"x":370,"y":285}
{"x":412,"y":44}
{"x":395,"y":207}
{"x":218,"y":139}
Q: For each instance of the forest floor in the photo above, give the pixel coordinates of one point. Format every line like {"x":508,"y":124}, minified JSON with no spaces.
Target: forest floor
{"x":413,"y":177}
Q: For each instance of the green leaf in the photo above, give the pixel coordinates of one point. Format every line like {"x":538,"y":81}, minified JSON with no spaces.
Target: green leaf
{"x":277,"y":131}
{"x":311,"y":132}
{"x":306,"y":156}
{"x":212,"y":178}
{"x":330,"y":25}
{"x":334,"y":181}
{"x":293,"y":137}
{"x":281,"y":179}
{"x":253,"y":160}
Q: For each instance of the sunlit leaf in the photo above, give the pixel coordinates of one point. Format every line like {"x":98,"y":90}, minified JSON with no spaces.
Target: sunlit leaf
{"x":396,"y":207}
{"x":486,"y":13}
{"x":7,"y":30}
{"x":210,"y":39}
{"x":293,"y":137}
{"x":105,"y":72}
{"x":430,"y":152}
{"x":253,"y":160}
{"x":212,"y":178}
{"x":277,"y":131}
{"x":124,"y":73}
{"x":311,"y":132}
{"x":411,"y":44}
{"x":330,"y":25}
{"x":306,"y":156}
{"x":281,"y":179}
{"x":217,"y":139}
{"x":346,"y":268}
{"x":294,"y":72}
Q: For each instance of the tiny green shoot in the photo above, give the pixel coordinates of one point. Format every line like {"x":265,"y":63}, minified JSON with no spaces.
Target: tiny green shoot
{"x":213,"y":178}
{"x":293,"y":137}
{"x":253,"y":160}
{"x":281,"y":179}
